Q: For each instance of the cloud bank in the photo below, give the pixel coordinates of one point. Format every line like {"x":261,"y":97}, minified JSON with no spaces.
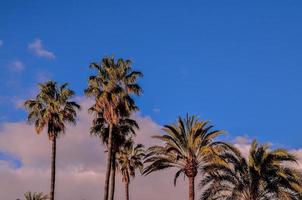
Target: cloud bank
{"x":80,"y":163}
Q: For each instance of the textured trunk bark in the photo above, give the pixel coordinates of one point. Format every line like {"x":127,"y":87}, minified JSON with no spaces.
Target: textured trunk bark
{"x":106,"y":188}
{"x":112,"y":177}
{"x":127,"y":190}
{"x":53,"y":168}
{"x":191,"y":188}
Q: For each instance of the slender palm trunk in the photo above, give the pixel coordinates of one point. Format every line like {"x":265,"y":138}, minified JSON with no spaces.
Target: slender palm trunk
{"x":112,"y":176}
{"x":127,"y":190}
{"x":106,"y":187}
{"x":191,"y":188}
{"x":53,"y":168}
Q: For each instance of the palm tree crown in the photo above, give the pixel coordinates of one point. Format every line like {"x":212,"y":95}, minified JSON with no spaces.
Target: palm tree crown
{"x":112,"y":88}
{"x":130,"y":158}
{"x":52,"y":108}
{"x":263,"y":176}
{"x":187,"y":145}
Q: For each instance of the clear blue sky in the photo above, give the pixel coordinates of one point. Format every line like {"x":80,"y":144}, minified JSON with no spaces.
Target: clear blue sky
{"x":236,"y":63}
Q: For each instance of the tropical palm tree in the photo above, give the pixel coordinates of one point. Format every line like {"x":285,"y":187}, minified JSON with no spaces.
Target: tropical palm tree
{"x":130,"y":158}
{"x":187,"y":145}
{"x":52,"y":108}
{"x":35,"y":196}
{"x":265,"y":175}
{"x":112,"y":89}
{"x":123,"y":130}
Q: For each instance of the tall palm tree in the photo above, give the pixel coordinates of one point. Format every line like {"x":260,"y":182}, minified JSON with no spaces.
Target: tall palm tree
{"x":123,"y":130}
{"x":52,"y":108}
{"x":187,"y":145}
{"x":130,"y":158}
{"x":113,"y":88}
{"x":35,"y":196}
{"x":265,"y":175}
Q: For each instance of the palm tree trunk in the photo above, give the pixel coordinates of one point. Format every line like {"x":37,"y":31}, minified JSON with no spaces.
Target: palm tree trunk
{"x":127,"y":190}
{"x":106,"y":187}
{"x":112,"y":176}
{"x":191,"y":188}
{"x":53,"y":168}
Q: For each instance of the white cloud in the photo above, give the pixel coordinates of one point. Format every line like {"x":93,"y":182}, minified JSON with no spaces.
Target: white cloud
{"x":1,"y":43}
{"x":37,"y":48}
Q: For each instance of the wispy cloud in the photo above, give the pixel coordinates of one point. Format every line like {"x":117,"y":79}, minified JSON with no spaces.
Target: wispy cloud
{"x":16,"y":66}
{"x":37,"y":48}
{"x":1,"y":43}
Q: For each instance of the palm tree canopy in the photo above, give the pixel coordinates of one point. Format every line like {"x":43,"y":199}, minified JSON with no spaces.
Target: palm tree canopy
{"x":266,"y":174}
{"x":35,"y":196}
{"x":186,"y":146}
{"x":112,"y":88}
{"x":129,"y":158}
{"x":52,"y":107}
{"x":122,"y":130}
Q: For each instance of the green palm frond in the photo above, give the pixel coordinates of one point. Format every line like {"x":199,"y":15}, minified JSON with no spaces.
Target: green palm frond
{"x":129,"y":158}
{"x":52,"y":108}
{"x":187,"y":145}
{"x":264,"y":175}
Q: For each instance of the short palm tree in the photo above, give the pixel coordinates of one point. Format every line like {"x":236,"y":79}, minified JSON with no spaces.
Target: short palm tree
{"x":52,"y":108}
{"x":35,"y":196}
{"x":123,"y":130}
{"x":265,"y":175}
{"x":129,"y":158}
{"x":113,"y":88}
{"x":186,"y":146}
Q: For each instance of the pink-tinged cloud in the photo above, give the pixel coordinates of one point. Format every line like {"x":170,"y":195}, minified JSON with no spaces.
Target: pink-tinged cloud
{"x":36,"y":47}
{"x":80,"y":164}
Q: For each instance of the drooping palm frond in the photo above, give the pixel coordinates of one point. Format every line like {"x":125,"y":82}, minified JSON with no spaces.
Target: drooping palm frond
{"x":264,"y":175}
{"x":188,"y":144}
{"x":129,"y":158}
{"x":124,"y":129}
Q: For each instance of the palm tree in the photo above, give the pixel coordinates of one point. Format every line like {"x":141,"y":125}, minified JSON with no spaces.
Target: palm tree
{"x":130,"y":158}
{"x":100,"y":129}
{"x":265,"y":175}
{"x":113,"y":88}
{"x":35,"y":196}
{"x":187,"y":145}
{"x":52,"y":108}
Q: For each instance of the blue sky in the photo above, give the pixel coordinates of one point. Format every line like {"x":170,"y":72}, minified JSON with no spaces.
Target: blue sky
{"x":236,"y":63}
